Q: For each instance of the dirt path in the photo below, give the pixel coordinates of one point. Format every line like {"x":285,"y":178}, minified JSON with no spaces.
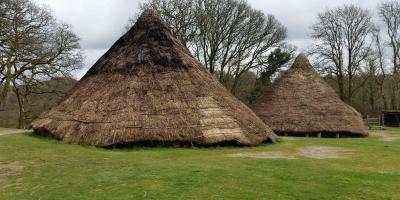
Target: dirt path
{"x":387,"y":137}
{"x":268,"y":154}
{"x":323,"y":152}
{"x":13,"y":131}
{"x":315,"y":152}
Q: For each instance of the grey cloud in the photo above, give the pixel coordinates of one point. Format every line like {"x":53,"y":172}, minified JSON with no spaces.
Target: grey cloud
{"x":91,"y":56}
{"x":298,"y":16}
{"x":99,"y":23}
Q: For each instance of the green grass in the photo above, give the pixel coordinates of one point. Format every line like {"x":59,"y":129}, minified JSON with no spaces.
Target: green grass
{"x":3,"y":129}
{"x":53,"y":170}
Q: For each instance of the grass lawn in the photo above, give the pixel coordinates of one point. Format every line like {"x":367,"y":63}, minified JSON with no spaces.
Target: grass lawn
{"x":3,"y":129}
{"x":39,"y":168}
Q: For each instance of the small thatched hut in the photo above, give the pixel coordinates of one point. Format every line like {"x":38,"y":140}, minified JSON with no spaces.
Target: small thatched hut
{"x":300,"y":103}
{"x":149,"y":90}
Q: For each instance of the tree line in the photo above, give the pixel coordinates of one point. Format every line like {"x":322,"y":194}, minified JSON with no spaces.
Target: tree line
{"x":355,"y":50}
{"x":359,"y":50}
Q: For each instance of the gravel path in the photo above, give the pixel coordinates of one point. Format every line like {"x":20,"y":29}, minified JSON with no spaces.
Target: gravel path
{"x":13,"y":131}
{"x":387,"y":137}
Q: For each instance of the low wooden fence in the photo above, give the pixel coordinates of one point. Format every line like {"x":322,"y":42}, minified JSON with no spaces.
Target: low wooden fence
{"x":373,"y":122}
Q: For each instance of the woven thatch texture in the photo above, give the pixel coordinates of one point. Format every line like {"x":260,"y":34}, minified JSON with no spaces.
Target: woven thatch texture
{"x":301,"y":102}
{"x":148,"y":89}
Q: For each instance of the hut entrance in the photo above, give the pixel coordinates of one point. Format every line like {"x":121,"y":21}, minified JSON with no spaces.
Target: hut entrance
{"x":391,"y":118}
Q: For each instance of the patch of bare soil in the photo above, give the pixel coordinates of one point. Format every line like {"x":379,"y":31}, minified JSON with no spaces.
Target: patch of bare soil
{"x":288,"y":138}
{"x":267,"y":154}
{"x":323,"y":152}
{"x":316,"y":152}
{"x":8,"y":169}
{"x":387,"y":137}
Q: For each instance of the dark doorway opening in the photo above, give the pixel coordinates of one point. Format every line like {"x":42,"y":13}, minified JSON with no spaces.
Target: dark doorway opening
{"x":391,"y":118}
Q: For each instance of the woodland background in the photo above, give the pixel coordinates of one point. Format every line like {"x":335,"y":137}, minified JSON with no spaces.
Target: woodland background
{"x":355,"y":50}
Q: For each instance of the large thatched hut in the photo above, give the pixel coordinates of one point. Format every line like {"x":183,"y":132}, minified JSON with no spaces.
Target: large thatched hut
{"x":300,"y":103}
{"x":148,"y":89}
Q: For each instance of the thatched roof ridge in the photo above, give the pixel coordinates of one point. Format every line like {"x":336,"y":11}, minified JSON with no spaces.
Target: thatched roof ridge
{"x":300,"y":102}
{"x":149,"y":89}
{"x":302,"y":62}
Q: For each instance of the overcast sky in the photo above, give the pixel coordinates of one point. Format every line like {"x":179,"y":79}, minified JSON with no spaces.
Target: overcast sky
{"x":99,"y":23}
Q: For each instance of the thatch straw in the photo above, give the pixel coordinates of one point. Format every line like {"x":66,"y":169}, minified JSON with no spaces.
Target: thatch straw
{"x":148,"y":89}
{"x":301,"y":103}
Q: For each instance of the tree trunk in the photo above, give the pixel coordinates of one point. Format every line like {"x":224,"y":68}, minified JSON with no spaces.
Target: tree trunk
{"x":4,"y":92}
{"x":234,"y":85}
{"x":371,"y":96}
{"x":21,"y":118}
{"x":395,"y":82}
{"x":221,"y":75}
{"x":383,"y":95}
{"x":394,"y":95}
{"x":21,"y":105}
{"x":350,"y":92}
{"x":341,"y":87}
{"x":6,"y":87}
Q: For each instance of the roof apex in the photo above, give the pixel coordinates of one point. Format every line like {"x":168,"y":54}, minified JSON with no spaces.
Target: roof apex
{"x":150,"y":15}
{"x":302,"y":61}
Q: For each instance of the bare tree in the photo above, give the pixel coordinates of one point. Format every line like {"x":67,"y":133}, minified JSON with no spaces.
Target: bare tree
{"x":330,"y":46}
{"x":371,"y":83}
{"x":342,"y":43}
{"x":227,"y":36}
{"x":380,"y":76}
{"x":390,"y":15}
{"x":33,"y":48}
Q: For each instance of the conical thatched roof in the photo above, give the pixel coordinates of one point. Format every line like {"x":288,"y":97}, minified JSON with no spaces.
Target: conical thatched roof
{"x":300,"y":102}
{"x":148,"y":89}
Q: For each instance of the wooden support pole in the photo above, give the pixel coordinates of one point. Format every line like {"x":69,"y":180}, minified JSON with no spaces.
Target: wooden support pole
{"x":337,"y":135}
{"x":369,"y":126}
{"x":319,"y":135}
